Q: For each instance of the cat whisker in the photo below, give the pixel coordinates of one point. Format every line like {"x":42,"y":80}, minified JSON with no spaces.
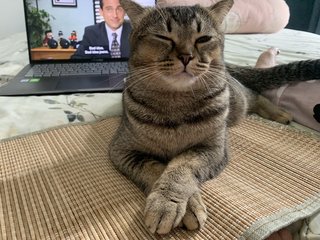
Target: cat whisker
{"x":221,"y":77}
{"x":204,"y":83}
{"x":141,"y":74}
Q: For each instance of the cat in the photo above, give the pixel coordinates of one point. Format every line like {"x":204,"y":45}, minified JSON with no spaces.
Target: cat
{"x":180,"y":97}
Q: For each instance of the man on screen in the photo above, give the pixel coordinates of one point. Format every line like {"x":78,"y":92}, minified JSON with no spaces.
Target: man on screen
{"x":109,"y":38}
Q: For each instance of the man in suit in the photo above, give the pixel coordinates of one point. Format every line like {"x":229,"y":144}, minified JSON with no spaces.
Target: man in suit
{"x":109,"y":38}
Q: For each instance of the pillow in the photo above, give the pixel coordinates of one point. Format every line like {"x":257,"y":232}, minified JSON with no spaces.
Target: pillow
{"x":247,"y":16}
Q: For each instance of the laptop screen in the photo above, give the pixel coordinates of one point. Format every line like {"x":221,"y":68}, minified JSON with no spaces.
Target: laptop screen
{"x":70,"y":30}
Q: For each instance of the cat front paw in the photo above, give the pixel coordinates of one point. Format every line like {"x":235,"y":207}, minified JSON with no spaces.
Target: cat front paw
{"x":196,"y":213}
{"x":163,"y":213}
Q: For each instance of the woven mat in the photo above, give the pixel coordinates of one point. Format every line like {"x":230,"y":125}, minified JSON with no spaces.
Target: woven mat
{"x":60,"y":184}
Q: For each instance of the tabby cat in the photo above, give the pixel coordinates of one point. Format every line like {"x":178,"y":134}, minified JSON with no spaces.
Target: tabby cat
{"x":179,"y":100}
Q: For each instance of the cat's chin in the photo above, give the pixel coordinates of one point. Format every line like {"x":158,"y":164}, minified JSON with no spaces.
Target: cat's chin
{"x":181,"y":80}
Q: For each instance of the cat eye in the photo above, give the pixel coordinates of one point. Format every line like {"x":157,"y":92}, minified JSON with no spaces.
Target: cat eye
{"x":164,"y":37}
{"x":203,"y":39}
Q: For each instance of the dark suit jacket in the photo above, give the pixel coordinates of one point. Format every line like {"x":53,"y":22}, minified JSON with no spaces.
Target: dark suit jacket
{"x":96,"y":35}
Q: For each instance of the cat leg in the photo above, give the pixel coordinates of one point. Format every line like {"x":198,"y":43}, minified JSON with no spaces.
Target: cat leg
{"x":167,"y":203}
{"x":266,"y":109}
{"x":175,"y":196}
{"x":142,"y":169}
{"x":262,"y":105}
{"x":243,"y":98}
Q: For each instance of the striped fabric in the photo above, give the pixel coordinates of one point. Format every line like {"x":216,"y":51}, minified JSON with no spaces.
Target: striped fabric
{"x":60,"y":184}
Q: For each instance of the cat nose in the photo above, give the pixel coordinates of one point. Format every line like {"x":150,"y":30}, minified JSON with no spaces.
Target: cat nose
{"x":185,"y":58}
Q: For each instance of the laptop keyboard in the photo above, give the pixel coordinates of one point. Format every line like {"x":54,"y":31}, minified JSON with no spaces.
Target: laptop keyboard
{"x":77,"y":69}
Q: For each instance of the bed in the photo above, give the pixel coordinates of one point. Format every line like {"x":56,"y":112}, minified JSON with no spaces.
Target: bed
{"x":22,"y":116}
{"x":39,"y":112}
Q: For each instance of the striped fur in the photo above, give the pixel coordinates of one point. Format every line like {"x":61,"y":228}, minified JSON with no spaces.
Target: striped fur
{"x":177,"y":104}
{"x":260,"y":79}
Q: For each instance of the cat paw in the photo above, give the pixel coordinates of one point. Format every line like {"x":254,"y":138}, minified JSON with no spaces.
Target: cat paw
{"x":196,"y":213}
{"x":282,"y":116}
{"x":163,"y":213}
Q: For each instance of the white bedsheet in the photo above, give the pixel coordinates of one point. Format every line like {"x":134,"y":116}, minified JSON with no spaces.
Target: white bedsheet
{"x":20,"y":115}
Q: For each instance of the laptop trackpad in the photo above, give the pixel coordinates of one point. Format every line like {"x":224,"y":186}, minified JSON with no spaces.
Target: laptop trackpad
{"x":86,"y":83}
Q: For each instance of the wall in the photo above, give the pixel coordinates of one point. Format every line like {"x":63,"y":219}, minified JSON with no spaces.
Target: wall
{"x":11,"y":21}
{"x":68,"y":19}
{"x":12,"y":17}
{"x":77,"y":18}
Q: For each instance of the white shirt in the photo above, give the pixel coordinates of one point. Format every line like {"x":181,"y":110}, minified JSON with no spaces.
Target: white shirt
{"x":110,"y":37}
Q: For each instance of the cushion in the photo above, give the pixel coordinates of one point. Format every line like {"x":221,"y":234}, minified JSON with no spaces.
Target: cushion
{"x":247,"y":16}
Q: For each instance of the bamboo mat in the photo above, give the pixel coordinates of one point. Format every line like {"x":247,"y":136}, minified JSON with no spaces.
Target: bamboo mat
{"x":60,"y":184}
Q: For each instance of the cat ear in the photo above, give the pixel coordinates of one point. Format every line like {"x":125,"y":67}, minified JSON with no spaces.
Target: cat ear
{"x":220,"y":10}
{"x":134,"y":11}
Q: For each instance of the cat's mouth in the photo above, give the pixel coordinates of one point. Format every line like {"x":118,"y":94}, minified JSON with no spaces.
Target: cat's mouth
{"x":182,"y":80}
{"x":185,"y":74}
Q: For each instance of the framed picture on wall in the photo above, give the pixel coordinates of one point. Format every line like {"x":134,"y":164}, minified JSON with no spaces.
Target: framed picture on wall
{"x":64,"y":3}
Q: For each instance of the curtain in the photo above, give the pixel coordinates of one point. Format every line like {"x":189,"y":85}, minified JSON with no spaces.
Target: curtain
{"x":314,"y":25}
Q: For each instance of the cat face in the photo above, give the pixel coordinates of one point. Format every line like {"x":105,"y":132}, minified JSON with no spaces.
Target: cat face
{"x":175,"y":46}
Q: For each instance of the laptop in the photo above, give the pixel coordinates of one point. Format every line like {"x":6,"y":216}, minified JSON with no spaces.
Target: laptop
{"x":60,"y":62}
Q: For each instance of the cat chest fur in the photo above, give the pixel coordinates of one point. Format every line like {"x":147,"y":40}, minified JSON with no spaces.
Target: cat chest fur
{"x":169,"y":124}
